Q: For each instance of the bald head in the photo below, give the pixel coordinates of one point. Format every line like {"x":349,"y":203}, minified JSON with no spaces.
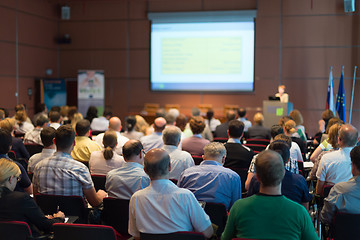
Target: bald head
{"x":159,"y":124}
{"x":157,"y":164}
{"x":115,"y":124}
{"x":132,"y":150}
{"x":348,"y":136}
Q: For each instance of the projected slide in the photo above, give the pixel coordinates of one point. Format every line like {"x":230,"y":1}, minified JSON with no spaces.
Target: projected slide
{"x":202,"y":56}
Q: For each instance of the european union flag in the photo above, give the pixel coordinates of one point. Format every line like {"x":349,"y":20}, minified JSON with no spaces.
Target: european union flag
{"x":340,"y":99}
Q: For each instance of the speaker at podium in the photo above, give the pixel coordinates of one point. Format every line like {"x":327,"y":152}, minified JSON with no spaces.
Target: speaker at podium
{"x":274,"y":110}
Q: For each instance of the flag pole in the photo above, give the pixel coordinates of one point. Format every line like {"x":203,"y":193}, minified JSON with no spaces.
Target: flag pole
{"x":352,"y":94}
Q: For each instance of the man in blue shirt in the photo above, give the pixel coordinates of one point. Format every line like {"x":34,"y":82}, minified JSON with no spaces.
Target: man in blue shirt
{"x":210,"y":181}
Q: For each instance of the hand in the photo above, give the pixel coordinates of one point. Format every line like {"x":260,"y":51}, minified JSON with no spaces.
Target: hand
{"x":59,"y":214}
{"x":101,"y":194}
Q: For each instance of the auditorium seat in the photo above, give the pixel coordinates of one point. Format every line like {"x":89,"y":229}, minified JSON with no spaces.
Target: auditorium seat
{"x":99,"y":181}
{"x":170,"y":106}
{"x":242,"y":172}
{"x":218,"y":215}
{"x":257,"y":145}
{"x":15,"y":230}
{"x":173,"y":236}
{"x":197,"y":159}
{"x":221,"y":140}
{"x":346,"y":226}
{"x":33,"y":148}
{"x":116,"y":214}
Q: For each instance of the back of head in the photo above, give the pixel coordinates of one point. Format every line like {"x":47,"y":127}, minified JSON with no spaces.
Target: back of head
{"x":21,"y":116}
{"x":181,"y":121}
{"x":241,"y":112}
{"x":159,"y":124}
{"x":259,"y":119}
{"x":110,"y":142}
{"x":156,"y":163}
{"x":276,"y":130}
{"x":283,"y":137}
{"x":64,"y":137}
{"x":195,"y":112}
{"x":230,"y":115}
{"x":107,"y":113}
{"x":64,"y":111}
{"x":7,"y":125}
{"x":282,"y":148}
{"x":174,"y":111}
{"x":283,"y":120}
{"x":236,"y":128}
{"x":289,"y":127}
{"x":209,"y":114}
{"x":130,"y":123}
{"x":8,"y":169}
{"x":355,"y":157}
{"x":41,"y":107}
{"x":20,"y":107}
{"x":72,"y":110}
{"x":47,"y":136}
{"x":41,"y":120}
{"x":92,"y":112}
{"x":171,"y":135}
{"x":170,"y":118}
{"x":327,"y":115}
{"x":54,"y":116}
{"x":214,"y":151}
{"x":82,"y":127}
{"x":296,"y":116}
{"x":348,"y":135}
{"x":5,"y":141}
{"x":55,"y":109}
{"x":333,"y":121}
{"x":115,"y":124}
{"x":6,"y":112}
{"x":131,"y":148}
{"x":141,"y":124}
{"x":160,"y":112}
{"x":269,"y":168}
{"x":334,"y":135}
{"x":197,"y":125}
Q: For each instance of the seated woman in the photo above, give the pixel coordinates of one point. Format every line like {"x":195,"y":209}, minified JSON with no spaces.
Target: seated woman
{"x":101,"y":162}
{"x":297,"y":146}
{"x":19,"y":206}
{"x":130,"y":132}
{"x":298,"y":119}
{"x":22,"y":126}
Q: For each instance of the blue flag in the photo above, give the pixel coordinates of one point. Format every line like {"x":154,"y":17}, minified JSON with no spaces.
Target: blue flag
{"x":340,"y":99}
{"x":330,"y":95}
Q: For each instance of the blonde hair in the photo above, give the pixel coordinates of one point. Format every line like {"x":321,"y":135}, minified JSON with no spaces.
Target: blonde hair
{"x":297,"y":117}
{"x":109,"y":141}
{"x":259,"y":118}
{"x":8,"y":168}
{"x":76,"y":118}
{"x":7,"y":124}
{"x":290,"y":126}
{"x":334,"y":134}
{"x":21,"y":116}
{"x":141,"y":125}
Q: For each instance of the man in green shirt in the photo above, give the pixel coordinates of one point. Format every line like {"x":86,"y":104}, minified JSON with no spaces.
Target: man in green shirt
{"x":269,"y":215}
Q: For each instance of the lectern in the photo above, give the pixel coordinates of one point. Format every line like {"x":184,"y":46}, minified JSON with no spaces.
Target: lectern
{"x":274,"y":110}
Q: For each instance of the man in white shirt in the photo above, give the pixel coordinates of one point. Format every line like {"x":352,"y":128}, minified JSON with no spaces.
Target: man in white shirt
{"x":33,"y":137}
{"x":115,"y":125}
{"x":47,"y":137}
{"x":163,"y":207}
{"x":123,"y":182}
{"x":101,"y":123}
{"x":180,"y":160}
{"x":55,"y":119}
{"x":154,"y":140}
{"x":242,"y":117}
{"x":335,"y":167}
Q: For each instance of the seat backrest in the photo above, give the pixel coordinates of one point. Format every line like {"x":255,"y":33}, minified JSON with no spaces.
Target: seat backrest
{"x":173,"y":236}
{"x":14,"y":230}
{"x":257,"y":148}
{"x":242,"y":172}
{"x":70,"y":205}
{"x":99,"y":181}
{"x":347,"y":226}
{"x":64,"y":231}
{"x":197,"y":159}
{"x":218,"y":215}
{"x":33,"y":148}
{"x":116,"y":214}
{"x":221,"y":140}
{"x":258,"y":141}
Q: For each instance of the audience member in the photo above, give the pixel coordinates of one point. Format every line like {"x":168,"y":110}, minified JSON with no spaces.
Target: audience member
{"x":269,"y":215}
{"x":210,"y":181}
{"x":181,"y":121}
{"x":33,"y":137}
{"x":237,"y":155}
{"x":195,"y":144}
{"x":211,"y":121}
{"x":258,"y":131}
{"x":91,"y":113}
{"x":21,"y":125}
{"x":335,"y":167}
{"x":114,"y":125}
{"x":22,"y":107}
{"x":174,"y":209}
{"x":55,"y":119}
{"x":84,"y":146}
{"x":290,"y":131}
{"x":123,"y":182}
{"x":242,"y":117}
{"x":141,"y":124}
{"x":62,"y":175}
{"x":344,"y":196}
{"x":298,"y":119}
{"x":47,"y":136}
{"x":130,"y":132}
{"x":293,"y":185}
{"x":206,"y":133}
{"x":64,"y":114}
{"x":101,"y":162}
{"x":41,"y":110}
{"x":221,"y":130}
{"x":154,"y":140}
{"x":76,"y":117}
{"x":170,"y":119}
{"x":101,"y":123}
{"x":17,"y":206}
{"x":180,"y":160}
{"x":323,"y":122}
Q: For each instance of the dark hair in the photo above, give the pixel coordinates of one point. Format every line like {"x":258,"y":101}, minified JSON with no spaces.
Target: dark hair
{"x":54,"y":116}
{"x":197,"y":125}
{"x":41,"y":120}
{"x":269,"y":168}
{"x":107,"y":112}
{"x":47,"y":136}
{"x":109,"y":141}
{"x":71,"y":111}
{"x":181,"y":121}
{"x":5,"y":111}
{"x":5,"y":141}
{"x":82,"y":127}
{"x":236,"y":128}
{"x":230,"y":115}
{"x":170,"y":118}
{"x":91,"y":113}
{"x":40,"y":107}
{"x":283,"y":137}
{"x":282,"y":148}
{"x":55,"y":109}
{"x":276,"y":130}
{"x":158,"y":168}
{"x":331,"y":122}
{"x":64,"y":137}
{"x":355,"y":157}
{"x":209,"y":114}
{"x":20,"y":107}
{"x":241,"y":112}
{"x":130,"y":123}
{"x":132,"y":148}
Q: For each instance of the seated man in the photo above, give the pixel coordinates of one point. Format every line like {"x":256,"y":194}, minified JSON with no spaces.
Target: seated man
{"x":47,"y":137}
{"x":335,"y":167}
{"x":293,"y":185}
{"x":154,"y":140}
{"x":237,"y":155}
{"x":123,"y":182}
{"x":210,"y":181}
{"x":180,"y":160}
{"x":221,"y":130}
{"x":344,"y":196}
{"x":84,"y":146}
{"x":33,"y":137}
{"x":101,"y":123}
{"x":55,"y":119}
{"x":242,"y":117}
{"x":62,"y":175}
{"x":163,"y":207}
{"x":269,"y":215}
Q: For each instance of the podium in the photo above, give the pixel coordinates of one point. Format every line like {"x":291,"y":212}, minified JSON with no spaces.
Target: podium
{"x":274,"y":110}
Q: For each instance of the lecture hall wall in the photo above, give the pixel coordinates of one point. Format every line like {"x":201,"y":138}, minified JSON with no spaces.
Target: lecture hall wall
{"x":296,"y":43}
